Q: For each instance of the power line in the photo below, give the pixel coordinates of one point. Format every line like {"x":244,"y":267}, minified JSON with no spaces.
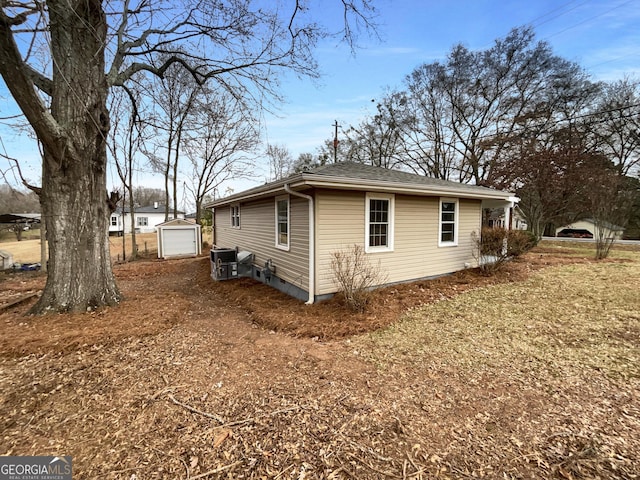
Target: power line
{"x":533,"y":22}
{"x":590,"y":18}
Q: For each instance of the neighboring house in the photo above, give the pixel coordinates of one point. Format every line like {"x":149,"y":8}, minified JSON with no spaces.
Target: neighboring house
{"x":496,"y":218}
{"x":586,"y":228}
{"x":146,"y":219}
{"x":416,"y":227}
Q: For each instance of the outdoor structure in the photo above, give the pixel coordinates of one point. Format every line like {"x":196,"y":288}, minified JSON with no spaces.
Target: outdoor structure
{"x":20,"y":218}
{"x":415,"y":227}
{"x":178,"y":238}
{"x":6,"y":260}
{"x":146,"y":219}
{"x":588,"y":226}
{"x":496,"y":218}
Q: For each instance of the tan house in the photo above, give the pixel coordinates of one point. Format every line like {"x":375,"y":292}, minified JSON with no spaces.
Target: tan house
{"x":416,"y":227}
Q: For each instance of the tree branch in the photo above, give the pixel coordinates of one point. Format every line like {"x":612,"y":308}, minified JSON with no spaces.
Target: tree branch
{"x":19,"y":77}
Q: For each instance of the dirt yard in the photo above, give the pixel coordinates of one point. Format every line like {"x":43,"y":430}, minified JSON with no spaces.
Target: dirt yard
{"x":532,"y":373}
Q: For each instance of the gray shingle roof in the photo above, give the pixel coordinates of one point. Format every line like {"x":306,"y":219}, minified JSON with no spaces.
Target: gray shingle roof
{"x":368,"y":172}
{"x":357,"y":175}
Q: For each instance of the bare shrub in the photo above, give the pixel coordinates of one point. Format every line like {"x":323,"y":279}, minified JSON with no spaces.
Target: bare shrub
{"x":520,"y":242}
{"x":494,"y":246}
{"x":355,"y":276}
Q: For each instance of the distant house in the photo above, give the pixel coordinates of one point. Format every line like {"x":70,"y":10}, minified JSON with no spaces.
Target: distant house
{"x":146,"y":219}
{"x":416,"y":227}
{"x":586,"y":228}
{"x":496,"y":218}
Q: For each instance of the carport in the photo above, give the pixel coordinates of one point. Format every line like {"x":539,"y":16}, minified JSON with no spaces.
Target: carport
{"x":178,"y":238}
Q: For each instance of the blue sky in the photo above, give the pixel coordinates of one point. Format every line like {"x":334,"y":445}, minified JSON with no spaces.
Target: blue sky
{"x":603,"y":36}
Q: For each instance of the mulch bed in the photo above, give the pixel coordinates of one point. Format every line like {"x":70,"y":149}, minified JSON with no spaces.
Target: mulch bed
{"x":190,"y":379}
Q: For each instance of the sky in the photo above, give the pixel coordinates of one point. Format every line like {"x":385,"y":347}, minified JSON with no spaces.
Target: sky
{"x":603,"y":36}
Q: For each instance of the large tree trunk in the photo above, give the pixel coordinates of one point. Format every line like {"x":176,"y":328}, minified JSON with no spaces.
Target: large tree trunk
{"x":74,"y":194}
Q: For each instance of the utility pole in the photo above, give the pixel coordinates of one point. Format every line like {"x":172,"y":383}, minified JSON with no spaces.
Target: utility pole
{"x":335,"y":143}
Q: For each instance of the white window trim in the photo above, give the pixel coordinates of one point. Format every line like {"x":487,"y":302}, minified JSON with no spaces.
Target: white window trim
{"x":139,"y":221}
{"x":456,"y":220}
{"x":278,"y":244}
{"x":390,"y":233}
{"x":235,"y":205}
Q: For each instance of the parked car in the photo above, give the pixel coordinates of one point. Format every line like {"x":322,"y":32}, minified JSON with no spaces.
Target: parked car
{"x":575,"y":233}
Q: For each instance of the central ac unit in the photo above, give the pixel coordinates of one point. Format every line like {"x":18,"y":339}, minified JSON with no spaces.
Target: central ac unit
{"x":224,"y":265}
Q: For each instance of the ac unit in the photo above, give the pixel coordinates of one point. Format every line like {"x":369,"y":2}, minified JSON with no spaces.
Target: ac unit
{"x":224,"y":265}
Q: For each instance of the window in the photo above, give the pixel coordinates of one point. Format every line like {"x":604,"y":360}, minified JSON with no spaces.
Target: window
{"x":142,"y":221}
{"x":379,"y":224}
{"x":235,"y":216}
{"x":114,"y":221}
{"x":282,"y":223}
{"x":448,"y":222}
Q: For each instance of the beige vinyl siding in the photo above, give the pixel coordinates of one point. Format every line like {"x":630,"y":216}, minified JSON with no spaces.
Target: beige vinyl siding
{"x":416,"y":254}
{"x":257,"y":234}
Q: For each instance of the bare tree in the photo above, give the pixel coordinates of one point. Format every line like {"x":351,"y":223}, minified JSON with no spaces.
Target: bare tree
{"x":147,"y":196}
{"x":609,"y":200}
{"x":238,"y":45}
{"x":464,"y":116}
{"x":616,"y":124}
{"x":126,"y":138}
{"x":377,"y":140}
{"x":174,"y":99}
{"x":308,"y":161}
{"x":280,"y":161}
{"x":219,"y":146}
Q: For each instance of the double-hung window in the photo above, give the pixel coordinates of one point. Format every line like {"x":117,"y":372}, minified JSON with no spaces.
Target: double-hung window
{"x":142,"y":221}
{"x":235,"y":216}
{"x":282,"y":222}
{"x":448,"y":222}
{"x":379,"y":224}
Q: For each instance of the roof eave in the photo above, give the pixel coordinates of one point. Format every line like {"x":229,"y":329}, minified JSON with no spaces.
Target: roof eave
{"x":319,"y":181}
{"x":344,"y":183}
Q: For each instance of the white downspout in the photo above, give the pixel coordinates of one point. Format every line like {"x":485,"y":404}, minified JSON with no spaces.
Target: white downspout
{"x":312,"y":242}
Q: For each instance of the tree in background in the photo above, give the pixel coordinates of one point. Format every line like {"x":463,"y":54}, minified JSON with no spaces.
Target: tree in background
{"x":13,"y":200}
{"x":609,"y":200}
{"x":126,"y":139}
{"x":513,"y":116}
{"x":174,"y":101}
{"x":616,"y":125}
{"x":308,"y":161}
{"x":377,"y":140}
{"x":280,"y":161}
{"x":237,"y":45}
{"x":143,"y":196}
{"x":221,"y":137}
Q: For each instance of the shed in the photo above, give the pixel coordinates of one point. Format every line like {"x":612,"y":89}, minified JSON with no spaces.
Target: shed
{"x":178,"y":238}
{"x":6,"y":260}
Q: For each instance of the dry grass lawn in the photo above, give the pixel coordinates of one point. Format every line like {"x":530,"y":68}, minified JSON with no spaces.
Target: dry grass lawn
{"x":533,"y":373}
{"x":28,"y":251}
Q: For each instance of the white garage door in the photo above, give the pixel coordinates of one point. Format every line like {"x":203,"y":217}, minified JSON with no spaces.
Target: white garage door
{"x":179,"y":241}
